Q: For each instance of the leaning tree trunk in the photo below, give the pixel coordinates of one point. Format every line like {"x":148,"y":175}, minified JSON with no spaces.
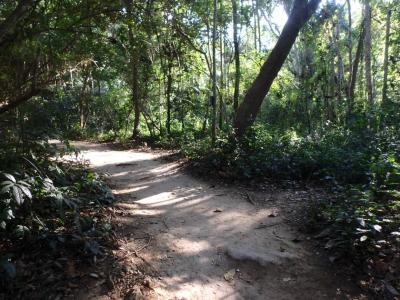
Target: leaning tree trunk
{"x":246,"y":114}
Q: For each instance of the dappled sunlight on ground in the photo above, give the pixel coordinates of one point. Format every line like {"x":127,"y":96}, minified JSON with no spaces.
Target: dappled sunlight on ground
{"x":197,"y":233}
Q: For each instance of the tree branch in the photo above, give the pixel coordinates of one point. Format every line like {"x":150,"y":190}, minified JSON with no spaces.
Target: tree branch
{"x":10,"y":104}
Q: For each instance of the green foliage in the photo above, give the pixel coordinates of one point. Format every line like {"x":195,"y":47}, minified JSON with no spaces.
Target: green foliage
{"x":45,"y":192}
{"x":333,"y":154}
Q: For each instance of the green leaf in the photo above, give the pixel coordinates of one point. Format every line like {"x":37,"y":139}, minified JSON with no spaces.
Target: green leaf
{"x":26,"y":191}
{"x":21,"y":182}
{"x":18,"y":196}
{"x":10,"y":177}
{"x":6,"y":187}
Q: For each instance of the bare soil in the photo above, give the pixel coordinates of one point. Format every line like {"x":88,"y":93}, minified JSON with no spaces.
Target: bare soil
{"x":187,"y":238}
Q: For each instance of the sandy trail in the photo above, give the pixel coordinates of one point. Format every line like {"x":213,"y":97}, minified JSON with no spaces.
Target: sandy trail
{"x":200,"y":232}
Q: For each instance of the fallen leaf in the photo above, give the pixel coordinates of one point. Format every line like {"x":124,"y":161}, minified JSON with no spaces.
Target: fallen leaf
{"x":377,"y":227}
{"x":230,"y":275}
{"x":94,"y":275}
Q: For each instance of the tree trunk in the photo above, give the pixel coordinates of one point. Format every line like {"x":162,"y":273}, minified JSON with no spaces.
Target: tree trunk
{"x":247,"y":112}
{"x":221,"y":64}
{"x":367,"y":54}
{"x":169,"y":90}
{"x":349,"y":45}
{"x":134,"y":69}
{"x":214,"y":77}
{"x":255,"y":32}
{"x":386,"y":58}
{"x":356,"y":63}
{"x":82,"y":96}
{"x":237,"y":55}
{"x":135,"y":93}
{"x":258,"y":24}
{"x":340,"y":65}
{"x":13,"y":103}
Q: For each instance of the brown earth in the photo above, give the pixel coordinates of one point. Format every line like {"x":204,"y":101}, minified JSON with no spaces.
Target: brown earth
{"x":200,"y":240}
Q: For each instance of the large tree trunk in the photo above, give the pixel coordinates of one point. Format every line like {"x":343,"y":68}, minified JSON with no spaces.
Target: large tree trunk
{"x":386,"y":58}
{"x":237,"y":55}
{"x":367,"y":54}
{"x":247,"y":111}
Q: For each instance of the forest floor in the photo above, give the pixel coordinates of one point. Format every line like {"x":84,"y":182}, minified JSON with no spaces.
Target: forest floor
{"x":182,"y":237}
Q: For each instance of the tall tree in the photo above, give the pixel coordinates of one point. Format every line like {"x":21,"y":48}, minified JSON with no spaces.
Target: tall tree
{"x":214,"y":76}
{"x":356,"y":63}
{"x":349,"y":43}
{"x":367,"y":53}
{"x":386,"y":55}
{"x":221,"y":64}
{"x":236,"y":54}
{"x":246,"y":114}
{"x":134,"y":71}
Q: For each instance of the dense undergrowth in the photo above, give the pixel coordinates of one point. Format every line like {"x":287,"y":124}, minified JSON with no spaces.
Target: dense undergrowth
{"x":50,"y":211}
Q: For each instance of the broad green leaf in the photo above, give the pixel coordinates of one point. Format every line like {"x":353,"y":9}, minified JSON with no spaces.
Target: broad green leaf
{"x":18,"y":195}
{"x":10,"y":177}
{"x":26,"y":191}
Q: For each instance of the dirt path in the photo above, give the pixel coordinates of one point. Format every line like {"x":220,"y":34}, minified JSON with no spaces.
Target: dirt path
{"x":206,"y":241}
